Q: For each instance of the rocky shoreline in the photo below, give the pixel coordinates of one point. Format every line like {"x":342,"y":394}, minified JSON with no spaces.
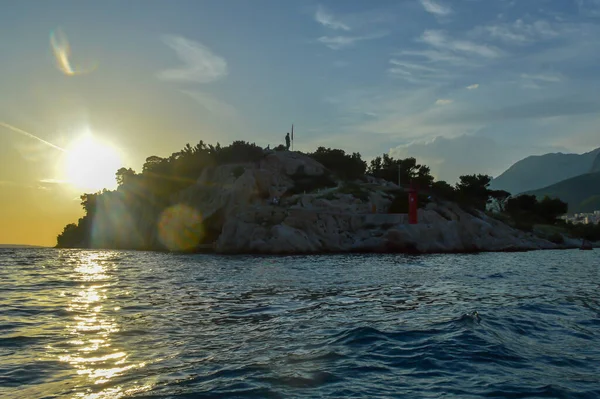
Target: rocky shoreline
{"x":230,"y":210}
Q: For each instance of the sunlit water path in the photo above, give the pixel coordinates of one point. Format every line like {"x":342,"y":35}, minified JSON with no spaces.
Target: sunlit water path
{"x":111,"y":324}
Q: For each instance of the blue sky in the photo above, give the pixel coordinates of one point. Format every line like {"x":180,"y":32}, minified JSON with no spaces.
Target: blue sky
{"x":465,"y":86}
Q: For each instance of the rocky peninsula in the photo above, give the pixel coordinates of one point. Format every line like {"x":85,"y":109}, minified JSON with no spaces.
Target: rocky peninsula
{"x":267,"y":206}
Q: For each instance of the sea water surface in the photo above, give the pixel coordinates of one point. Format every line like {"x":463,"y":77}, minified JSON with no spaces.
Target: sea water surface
{"x":113,"y":324}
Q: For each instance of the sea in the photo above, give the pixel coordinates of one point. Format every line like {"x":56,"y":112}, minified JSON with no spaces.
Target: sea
{"x":125,"y":324}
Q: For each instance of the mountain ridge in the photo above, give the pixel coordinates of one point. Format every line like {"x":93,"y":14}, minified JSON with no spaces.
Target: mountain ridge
{"x":582,"y":192}
{"x":540,"y":171}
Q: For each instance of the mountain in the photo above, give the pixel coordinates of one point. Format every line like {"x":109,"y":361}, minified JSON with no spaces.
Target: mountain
{"x":582,"y":192}
{"x":596,"y":164}
{"x":539,"y":171}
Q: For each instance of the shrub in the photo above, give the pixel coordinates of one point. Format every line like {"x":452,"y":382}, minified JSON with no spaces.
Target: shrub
{"x":345,"y":166}
{"x":239,"y":152}
{"x":400,"y":202}
{"x":238,"y":171}
{"x":329,"y":196}
{"x":523,"y":225}
{"x":305,"y":183}
{"x":556,"y":238}
{"x":355,"y":190}
{"x":590,"y":232}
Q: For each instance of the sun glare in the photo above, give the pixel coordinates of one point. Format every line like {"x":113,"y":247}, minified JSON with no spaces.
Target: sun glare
{"x":91,"y":164}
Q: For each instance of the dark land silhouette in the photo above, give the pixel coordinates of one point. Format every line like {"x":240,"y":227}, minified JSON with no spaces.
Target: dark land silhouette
{"x":145,"y":195}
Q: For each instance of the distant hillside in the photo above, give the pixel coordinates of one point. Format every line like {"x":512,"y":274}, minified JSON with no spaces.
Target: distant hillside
{"x":582,"y":193}
{"x":539,"y":171}
{"x":596,"y":164}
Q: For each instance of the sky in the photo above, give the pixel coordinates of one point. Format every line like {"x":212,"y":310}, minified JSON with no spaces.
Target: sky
{"x":465,"y":86}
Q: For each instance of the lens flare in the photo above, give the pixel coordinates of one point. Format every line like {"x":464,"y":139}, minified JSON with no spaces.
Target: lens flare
{"x":180,"y":228}
{"x":62,"y":54}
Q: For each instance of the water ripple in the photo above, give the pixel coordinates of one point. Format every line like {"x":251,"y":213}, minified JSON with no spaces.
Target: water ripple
{"x":116,"y":324}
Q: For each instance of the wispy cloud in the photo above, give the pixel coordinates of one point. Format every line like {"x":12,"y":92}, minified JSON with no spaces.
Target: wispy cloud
{"x":450,"y":158}
{"x":521,"y":32}
{"x":412,"y":66}
{"x":53,"y":181}
{"x":473,"y":86}
{"x":547,"y":108}
{"x":440,"y":39}
{"x":436,"y":8}
{"x":589,"y":8}
{"x":542,"y":77}
{"x":415,"y":72}
{"x":201,"y":65}
{"x":437,"y":56}
{"x":443,"y":101}
{"x":212,"y":104}
{"x":442,"y":58}
{"x":8,"y":183}
{"x":327,"y":19}
{"x":341,"y":42}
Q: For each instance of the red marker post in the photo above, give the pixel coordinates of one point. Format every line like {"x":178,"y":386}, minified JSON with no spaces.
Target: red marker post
{"x":412,"y":206}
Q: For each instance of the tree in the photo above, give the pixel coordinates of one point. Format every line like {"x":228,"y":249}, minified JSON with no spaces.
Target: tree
{"x":521,"y":204}
{"x":238,"y":152}
{"x":443,"y":190}
{"x":472,"y":190}
{"x":70,"y":237}
{"x":549,"y":209}
{"x":89,"y":202}
{"x":498,"y":198}
{"x":345,"y":166}
{"x":152,"y":163}
{"x":124,"y":175}
{"x":387,"y":168}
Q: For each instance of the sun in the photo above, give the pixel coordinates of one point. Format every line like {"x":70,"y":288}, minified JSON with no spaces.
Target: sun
{"x":91,"y":164}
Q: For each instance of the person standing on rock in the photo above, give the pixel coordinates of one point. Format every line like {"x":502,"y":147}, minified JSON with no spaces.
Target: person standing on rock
{"x":287,"y":141}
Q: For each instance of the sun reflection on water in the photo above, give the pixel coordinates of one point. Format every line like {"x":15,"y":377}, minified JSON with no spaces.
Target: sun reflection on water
{"x":92,"y":350}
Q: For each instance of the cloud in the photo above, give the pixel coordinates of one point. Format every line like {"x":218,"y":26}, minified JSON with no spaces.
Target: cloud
{"x":8,"y":183}
{"x":444,"y":58}
{"x":328,"y":20}
{"x":521,"y":32}
{"x":473,"y":86}
{"x":547,"y":108}
{"x":437,"y":56}
{"x":408,"y":115}
{"x":212,"y":104}
{"x":440,"y":39}
{"x":450,"y":158}
{"x":542,"y":77}
{"x":590,"y":8}
{"x":443,"y":101}
{"x":53,"y":181}
{"x":413,"y":66}
{"x":415,"y":72}
{"x":436,"y":8}
{"x":341,"y":42}
{"x":201,"y":64}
